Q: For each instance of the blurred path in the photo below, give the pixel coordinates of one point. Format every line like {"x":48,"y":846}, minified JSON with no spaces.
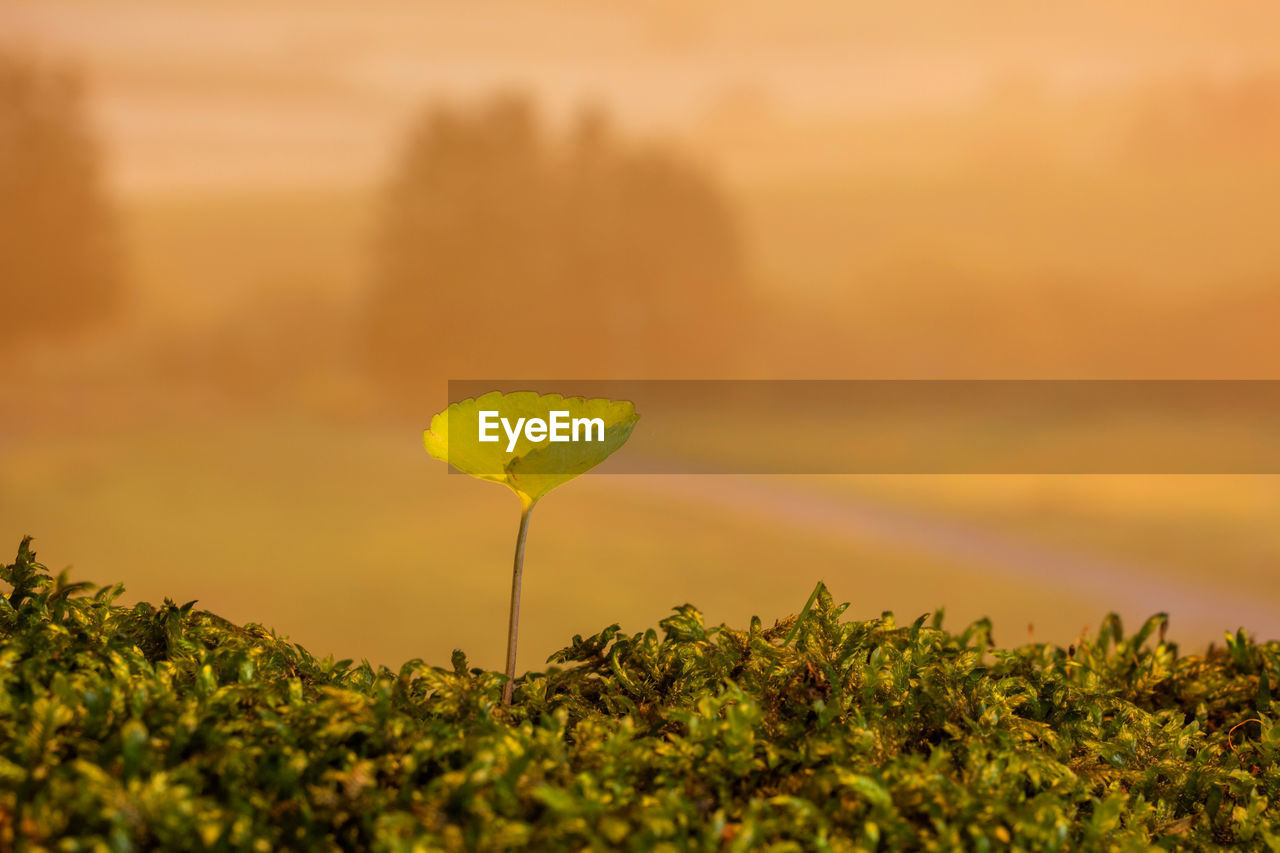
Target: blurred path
{"x":1116,"y":584}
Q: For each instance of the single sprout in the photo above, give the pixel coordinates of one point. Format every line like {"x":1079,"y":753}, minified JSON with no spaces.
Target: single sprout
{"x":529,"y":468}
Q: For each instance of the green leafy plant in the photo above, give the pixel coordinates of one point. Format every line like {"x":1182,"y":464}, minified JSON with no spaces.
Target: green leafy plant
{"x":169,"y":728}
{"x":529,"y":468}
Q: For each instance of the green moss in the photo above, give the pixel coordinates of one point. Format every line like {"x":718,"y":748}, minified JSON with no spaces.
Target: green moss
{"x":168,"y":727}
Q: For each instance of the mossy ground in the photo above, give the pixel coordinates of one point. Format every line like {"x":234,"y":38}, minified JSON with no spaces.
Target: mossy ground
{"x":170,"y":728}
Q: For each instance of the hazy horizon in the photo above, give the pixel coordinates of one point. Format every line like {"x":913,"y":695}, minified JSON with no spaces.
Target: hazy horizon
{"x":246,"y":262}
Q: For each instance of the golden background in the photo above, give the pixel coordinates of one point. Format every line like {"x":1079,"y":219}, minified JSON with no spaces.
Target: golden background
{"x":244,"y":245}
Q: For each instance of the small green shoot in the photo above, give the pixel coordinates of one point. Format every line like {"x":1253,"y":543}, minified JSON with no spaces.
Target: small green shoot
{"x":529,"y":468}
{"x":804,"y":612}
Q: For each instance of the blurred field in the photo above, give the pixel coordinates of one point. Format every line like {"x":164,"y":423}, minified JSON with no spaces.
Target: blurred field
{"x":1189,"y":525}
{"x":350,"y":539}
{"x":355,"y":541}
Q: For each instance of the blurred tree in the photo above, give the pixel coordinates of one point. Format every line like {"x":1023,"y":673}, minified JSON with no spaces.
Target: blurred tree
{"x":1196,"y":120}
{"x":507,"y":252}
{"x":58,"y":269}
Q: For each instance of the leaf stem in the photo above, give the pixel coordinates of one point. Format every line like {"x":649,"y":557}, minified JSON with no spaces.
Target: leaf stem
{"x":513,"y":626}
{"x":808,"y":605}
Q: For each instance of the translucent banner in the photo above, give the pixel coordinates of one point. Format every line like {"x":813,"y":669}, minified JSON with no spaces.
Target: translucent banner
{"x":921,"y":427}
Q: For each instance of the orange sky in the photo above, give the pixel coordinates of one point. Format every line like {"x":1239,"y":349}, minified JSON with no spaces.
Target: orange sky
{"x":248,"y":94}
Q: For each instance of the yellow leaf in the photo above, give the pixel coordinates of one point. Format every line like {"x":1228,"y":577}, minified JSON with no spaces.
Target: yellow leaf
{"x":527,"y":460}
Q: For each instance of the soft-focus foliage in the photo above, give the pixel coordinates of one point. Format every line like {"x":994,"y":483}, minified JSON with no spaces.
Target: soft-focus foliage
{"x":144,"y":727}
{"x":530,"y":470}
{"x":504,"y":244}
{"x":58,"y":270}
